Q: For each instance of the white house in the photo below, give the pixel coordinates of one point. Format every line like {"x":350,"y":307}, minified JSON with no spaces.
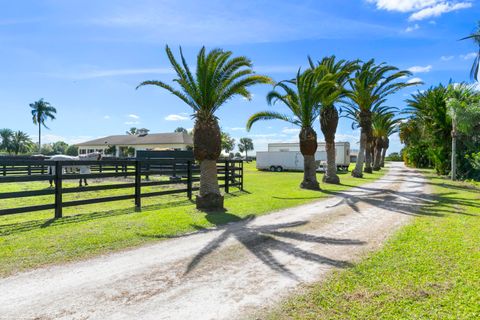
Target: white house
{"x":141,"y":141}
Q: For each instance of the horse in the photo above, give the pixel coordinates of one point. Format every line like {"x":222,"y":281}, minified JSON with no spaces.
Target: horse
{"x":84,"y":169}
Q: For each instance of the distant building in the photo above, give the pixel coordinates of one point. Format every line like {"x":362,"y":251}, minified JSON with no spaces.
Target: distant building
{"x":140,"y":141}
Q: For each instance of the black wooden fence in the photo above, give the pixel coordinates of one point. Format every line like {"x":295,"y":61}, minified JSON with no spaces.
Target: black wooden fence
{"x":182,"y":175}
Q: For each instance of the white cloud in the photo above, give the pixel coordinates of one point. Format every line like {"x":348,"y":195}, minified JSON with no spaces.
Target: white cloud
{"x":176,"y":117}
{"x":468,"y":56}
{"x":132,"y":122}
{"x":291,"y":130}
{"x":98,"y":73}
{"x":446,"y":58}
{"x":420,"y":69}
{"x":416,"y":79}
{"x":237,"y":129}
{"x":402,"y":5}
{"x":133,"y":116}
{"x":438,"y":10}
{"x":106,"y":117}
{"x":412,"y":28}
{"x":422,"y":9}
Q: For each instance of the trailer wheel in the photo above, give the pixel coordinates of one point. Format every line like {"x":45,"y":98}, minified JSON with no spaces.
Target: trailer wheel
{"x":272,"y":169}
{"x":279,"y":169}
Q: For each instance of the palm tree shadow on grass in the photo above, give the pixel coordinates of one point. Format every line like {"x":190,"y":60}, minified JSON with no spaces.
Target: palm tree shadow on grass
{"x":408,"y":203}
{"x":263,"y":240}
{"x":14,"y":228}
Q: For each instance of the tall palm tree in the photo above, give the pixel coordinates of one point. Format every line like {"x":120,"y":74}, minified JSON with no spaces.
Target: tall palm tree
{"x":21,"y":142}
{"x":41,"y":112}
{"x":218,"y":78}
{"x":460,"y":99}
{"x":369,"y":88}
{"x":475,"y":36}
{"x":383,"y":125}
{"x":6,"y":136}
{"x":339,"y":72}
{"x":301,"y":95}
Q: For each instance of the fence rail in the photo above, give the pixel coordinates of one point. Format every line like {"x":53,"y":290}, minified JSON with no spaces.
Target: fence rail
{"x":182,"y":174}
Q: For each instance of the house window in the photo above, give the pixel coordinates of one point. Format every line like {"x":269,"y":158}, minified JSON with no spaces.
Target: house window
{"x":82,"y":151}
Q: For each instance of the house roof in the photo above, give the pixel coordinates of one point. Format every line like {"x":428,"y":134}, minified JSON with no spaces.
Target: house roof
{"x":131,"y":140}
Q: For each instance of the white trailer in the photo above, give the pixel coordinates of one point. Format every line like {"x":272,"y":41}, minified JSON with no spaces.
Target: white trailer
{"x":287,"y":156}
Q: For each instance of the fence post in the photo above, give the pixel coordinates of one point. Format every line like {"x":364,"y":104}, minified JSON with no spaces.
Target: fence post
{"x":138,"y":186}
{"x":242,"y":175}
{"x":189,"y":179}
{"x":4,"y":170}
{"x":227,"y":176}
{"x":58,"y":189}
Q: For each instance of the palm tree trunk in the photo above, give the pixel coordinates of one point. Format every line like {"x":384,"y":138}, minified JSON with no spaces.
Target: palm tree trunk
{"x":357,"y":172}
{"x":308,"y":147}
{"x":454,"y":149}
{"x":39,"y":137}
{"x":368,"y":156}
{"x":328,"y":125}
{"x":386,"y":144}
{"x":378,"y":155}
{"x":207,"y":149}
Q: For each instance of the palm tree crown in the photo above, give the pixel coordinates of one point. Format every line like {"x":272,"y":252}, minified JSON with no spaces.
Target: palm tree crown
{"x":41,"y":112}
{"x":475,"y":36}
{"x":218,"y":78}
{"x":302,"y":102}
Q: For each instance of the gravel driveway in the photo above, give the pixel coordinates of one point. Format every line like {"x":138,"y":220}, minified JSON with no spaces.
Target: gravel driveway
{"x":228,"y":272}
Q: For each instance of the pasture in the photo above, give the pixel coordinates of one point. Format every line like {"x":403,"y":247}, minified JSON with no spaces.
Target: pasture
{"x":30,"y":240}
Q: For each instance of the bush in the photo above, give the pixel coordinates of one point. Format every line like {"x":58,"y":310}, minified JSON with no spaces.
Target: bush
{"x":394,"y":156}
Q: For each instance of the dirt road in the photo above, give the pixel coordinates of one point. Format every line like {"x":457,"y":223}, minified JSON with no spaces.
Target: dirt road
{"x":224,"y":273}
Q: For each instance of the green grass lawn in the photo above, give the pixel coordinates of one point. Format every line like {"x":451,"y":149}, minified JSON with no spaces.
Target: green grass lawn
{"x":34,"y":239}
{"x":429,"y":270}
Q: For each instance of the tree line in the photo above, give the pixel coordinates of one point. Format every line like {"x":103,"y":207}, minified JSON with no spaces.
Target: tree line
{"x":19,"y":143}
{"x":443,"y":130}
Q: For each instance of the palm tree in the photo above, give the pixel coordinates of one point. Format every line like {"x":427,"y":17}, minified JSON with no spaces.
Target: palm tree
{"x":369,"y":88}
{"x":6,"y":136}
{"x":384,"y":124}
{"x":245,"y":145}
{"x":475,"y":36}
{"x":41,"y":112}
{"x":338,"y":71}
{"x":460,"y":99}
{"x":218,"y":78}
{"x":303,"y":102}
{"x":21,"y":142}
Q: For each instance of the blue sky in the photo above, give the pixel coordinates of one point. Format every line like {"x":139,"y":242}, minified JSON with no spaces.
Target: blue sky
{"x":86,"y":57}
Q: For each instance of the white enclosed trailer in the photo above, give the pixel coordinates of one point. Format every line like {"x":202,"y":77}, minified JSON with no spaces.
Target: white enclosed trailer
{"x":287,"y":156}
